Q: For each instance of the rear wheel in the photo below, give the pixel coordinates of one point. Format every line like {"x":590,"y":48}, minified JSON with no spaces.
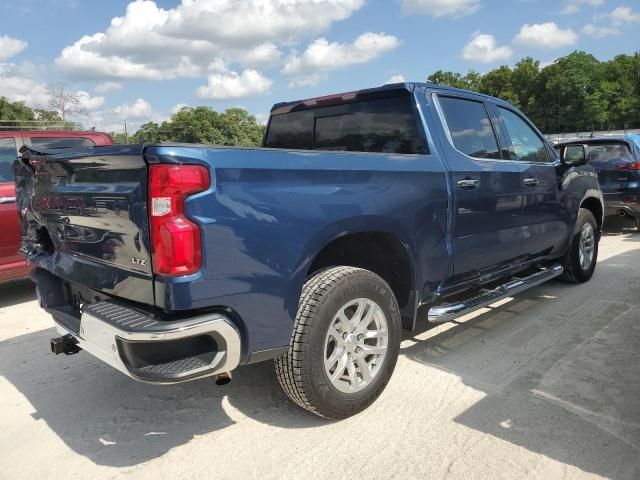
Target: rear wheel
{"x":581,"y":259}
{"x":344,"y":345}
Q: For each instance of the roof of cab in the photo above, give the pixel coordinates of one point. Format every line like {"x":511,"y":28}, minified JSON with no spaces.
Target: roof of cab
{"x":384,"y":90}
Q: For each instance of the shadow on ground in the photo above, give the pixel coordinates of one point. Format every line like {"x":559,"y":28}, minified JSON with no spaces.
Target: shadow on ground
{"x":19,"y":291}
{"x":559,"y":367}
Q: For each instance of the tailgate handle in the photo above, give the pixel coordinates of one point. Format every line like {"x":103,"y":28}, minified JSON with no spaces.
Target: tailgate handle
{"x":7,"y":200}
{"x":531,"y":182}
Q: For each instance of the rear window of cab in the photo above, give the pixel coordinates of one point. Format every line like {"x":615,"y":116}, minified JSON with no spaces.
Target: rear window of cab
{"x":387,"y":125}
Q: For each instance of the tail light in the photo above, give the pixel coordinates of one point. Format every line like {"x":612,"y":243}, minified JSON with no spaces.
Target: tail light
{"x":629,"y":166}
{"x":176,"y":246}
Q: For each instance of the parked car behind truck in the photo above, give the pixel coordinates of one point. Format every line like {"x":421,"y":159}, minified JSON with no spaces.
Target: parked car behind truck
{"x":616,"y":158}
{"x":13,"y":265}
{"x":174,"y":262}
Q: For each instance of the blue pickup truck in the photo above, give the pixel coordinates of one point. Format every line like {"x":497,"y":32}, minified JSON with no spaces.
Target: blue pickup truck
{"x":176,"y":262}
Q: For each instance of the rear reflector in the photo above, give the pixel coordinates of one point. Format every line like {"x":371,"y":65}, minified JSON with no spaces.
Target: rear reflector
{"x":176,"y":246}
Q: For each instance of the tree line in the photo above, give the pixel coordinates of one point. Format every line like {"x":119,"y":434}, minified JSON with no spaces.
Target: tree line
{"x":233,"y":127}
{"x":575,"y":93}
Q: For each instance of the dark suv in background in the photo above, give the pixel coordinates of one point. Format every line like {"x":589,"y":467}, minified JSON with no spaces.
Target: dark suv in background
{"x":616,"y":158}
{"x":12,"y":265}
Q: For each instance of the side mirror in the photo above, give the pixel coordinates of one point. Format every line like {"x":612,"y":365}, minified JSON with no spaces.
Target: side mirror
{"x":575,"y":155}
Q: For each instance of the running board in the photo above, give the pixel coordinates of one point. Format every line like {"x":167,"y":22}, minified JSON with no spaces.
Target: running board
{"x":446,"y":313}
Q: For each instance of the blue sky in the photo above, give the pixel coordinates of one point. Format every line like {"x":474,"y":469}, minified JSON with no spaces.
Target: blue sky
{"x":140,"y":60}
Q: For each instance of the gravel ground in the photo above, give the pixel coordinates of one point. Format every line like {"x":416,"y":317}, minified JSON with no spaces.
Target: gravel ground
{"x":545,"y":386}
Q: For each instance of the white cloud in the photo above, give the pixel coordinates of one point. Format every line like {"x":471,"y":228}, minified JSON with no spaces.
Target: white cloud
{"x":10,"y":47}
{"x":253,"y":22}
{"x":610,"y":24}
{"x":307,"y":80}
{"x":222,"y":86}
{"x":545,"y":35}
{"x":596,"y":31}
{"x":546,"y":64}
{"x":21,"y":83}
{"x":107,"y":87}
{"x":441,"y":8}
{"x":573,"y":6}
{"x":140,"y":109}
{"x":395,"y":79}
{"x":262,"y":118}
{"x":623,"y":15}
{"x":88,"y":102}
{"x":153,"y":43}
{"x":322,"y":56}
{"x":177,"y":107}
{"x":484,"y":49}
{"x":134,"y":114}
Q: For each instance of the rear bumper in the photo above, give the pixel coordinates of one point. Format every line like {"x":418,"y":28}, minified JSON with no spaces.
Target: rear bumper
{"x":621,"y":208}
{"x":135,"y":342}
{"x":150,"y":350}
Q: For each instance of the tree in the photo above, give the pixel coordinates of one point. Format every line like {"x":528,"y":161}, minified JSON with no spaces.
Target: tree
{"x":120,"y":138}
{"x":523,"y":83}
{"x":234,"y":126}
{"x":64,"y":101}
{"x":499,"y":83}
{"x":15,"y":114}
{"x":47,"y":115}
{"x":576,"y":92}
{"x":471,"y":81}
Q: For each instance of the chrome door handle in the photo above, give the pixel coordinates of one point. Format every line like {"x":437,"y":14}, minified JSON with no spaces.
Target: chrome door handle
{"x":468,"y":183}
{"x":7,"y":200}
{"x":531,"y":182}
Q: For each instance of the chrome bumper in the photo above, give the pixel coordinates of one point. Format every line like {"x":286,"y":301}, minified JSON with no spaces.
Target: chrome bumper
{"x":151,"y":350}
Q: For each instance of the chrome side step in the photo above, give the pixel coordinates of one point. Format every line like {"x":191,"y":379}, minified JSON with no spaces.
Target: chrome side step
{"x":446,"y":313}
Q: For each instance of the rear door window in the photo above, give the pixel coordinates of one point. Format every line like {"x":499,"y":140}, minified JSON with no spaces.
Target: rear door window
{"x":53,"y":143}
{"x":470,"y":127}
{"x":8,"y":154}
{"x":387,"y":125}
{"x":526,"y":144}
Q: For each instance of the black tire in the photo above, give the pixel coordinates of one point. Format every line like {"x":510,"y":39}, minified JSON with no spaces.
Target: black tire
{"x":301,"y":371}
{"x":574,"y":272}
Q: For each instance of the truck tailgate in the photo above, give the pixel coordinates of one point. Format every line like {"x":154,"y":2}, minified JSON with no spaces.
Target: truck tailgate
{"x":84,"y":217}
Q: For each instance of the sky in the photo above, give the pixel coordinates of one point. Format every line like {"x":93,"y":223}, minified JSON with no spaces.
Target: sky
{"x":142,"y":60}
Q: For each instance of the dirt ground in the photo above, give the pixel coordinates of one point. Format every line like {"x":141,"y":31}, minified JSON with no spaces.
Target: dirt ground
{"x":544,"y":386}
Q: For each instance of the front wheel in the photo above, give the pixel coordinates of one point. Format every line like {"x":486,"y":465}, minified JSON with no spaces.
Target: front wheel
{"x":580,"y":262}
{"x":344,"y":345}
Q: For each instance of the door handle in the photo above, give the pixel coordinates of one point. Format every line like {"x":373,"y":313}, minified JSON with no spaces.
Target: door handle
{"x":468,"y":183}
{"x":7,"y":200}
{"x":531,"y":182}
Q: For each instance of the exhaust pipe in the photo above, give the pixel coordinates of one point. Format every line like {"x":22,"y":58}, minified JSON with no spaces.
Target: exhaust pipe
{"x":223,"y":378}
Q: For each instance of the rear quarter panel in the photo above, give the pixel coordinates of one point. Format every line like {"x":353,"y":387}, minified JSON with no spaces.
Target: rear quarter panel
{"x":269,"y":212}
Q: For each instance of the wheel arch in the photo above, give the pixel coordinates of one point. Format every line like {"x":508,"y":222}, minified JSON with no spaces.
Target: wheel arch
{"x":360,"y":246}
{"x":595,"y":205}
